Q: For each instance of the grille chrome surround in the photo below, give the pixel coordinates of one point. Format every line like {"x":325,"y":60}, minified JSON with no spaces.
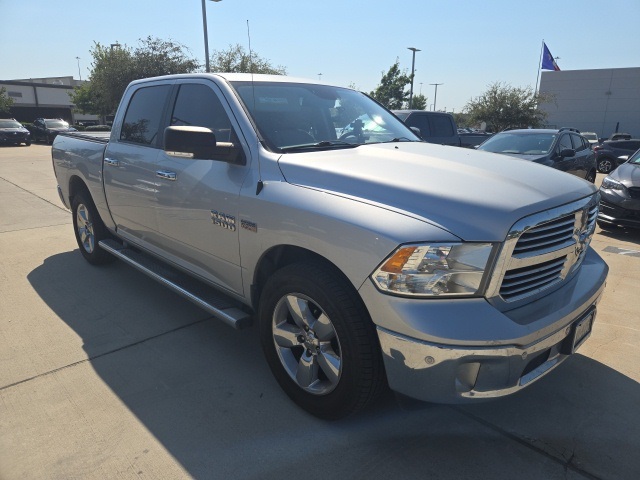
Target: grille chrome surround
{"x":542,"y":251}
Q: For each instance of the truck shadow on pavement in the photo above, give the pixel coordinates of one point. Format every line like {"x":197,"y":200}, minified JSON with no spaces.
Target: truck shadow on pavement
{"x":205,"y":393}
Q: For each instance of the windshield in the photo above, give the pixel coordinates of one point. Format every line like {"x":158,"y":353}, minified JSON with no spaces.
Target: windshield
{"x":9,"y":124}
{"x":635,"y":158}
{"x":297,"y":116}
{"x":519,"y":143}
{"x":56,"y":124}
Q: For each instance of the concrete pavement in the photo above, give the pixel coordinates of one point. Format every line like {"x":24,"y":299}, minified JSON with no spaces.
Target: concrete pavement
{"x":105,"y":374}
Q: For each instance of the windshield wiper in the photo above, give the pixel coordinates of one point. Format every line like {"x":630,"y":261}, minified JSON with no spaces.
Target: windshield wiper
{"x":324,"y":145}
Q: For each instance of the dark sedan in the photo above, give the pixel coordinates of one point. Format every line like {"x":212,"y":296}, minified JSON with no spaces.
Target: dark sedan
{"x":609,"y":151}
{"x":13,"y":133}
{"x":620,"y":195}
{"x":46,"y":129}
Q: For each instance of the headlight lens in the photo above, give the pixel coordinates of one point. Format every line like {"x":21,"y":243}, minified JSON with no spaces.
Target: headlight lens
{"x":610,"y":184}
{"x":436,"y":269}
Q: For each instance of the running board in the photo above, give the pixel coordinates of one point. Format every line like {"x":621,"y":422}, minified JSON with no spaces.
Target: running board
{"x":218,"y":304}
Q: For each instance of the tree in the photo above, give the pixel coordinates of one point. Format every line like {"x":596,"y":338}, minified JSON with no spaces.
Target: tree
{"x":391,"y":90}
{"x":5,"y":101}
{"x":114,"y":67}
{"x":419,"y":102}
{"x":503,"y":106}
{"x":236,"y":59}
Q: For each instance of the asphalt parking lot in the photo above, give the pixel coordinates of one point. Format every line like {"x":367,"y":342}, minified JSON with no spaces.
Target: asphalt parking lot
{"x":106,"y":374}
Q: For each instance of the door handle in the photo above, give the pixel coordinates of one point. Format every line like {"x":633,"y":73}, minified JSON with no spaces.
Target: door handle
{"x":112,"y":162}
{"x":167,"y":175}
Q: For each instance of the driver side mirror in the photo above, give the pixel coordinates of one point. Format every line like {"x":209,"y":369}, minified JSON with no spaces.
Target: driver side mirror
{"x":567,"y":152}
{"x":199,"y":143}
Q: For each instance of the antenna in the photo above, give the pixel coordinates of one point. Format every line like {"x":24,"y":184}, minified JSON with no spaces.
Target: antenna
{"x":260,"y":184}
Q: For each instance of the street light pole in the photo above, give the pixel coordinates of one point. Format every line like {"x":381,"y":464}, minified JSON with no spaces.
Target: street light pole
{"x":413,"y":65}
{"x":435,"y":96}
{"x":206,"y":37}
{"x":79,"y":75}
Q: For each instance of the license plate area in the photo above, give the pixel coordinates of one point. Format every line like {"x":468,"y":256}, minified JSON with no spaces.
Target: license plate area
{"x":580,"y":331}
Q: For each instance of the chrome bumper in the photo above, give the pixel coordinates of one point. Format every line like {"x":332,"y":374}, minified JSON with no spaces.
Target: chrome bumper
{"x":444,"y":374}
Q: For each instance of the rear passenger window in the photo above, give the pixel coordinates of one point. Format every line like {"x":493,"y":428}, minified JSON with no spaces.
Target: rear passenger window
{"x":197,"y":105}
{"x":144,"y":114}
{"x":441,"y":126}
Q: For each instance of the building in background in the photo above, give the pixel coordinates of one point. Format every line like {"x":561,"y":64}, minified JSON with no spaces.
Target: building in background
{"x":44,"y":98}
{"x":602,"y":101}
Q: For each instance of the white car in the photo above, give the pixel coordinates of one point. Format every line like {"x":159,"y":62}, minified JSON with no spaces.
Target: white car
{"x":591,"y":136}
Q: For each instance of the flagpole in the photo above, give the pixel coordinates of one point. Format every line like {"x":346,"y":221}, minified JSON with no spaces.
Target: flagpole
{"x":539,"y":65}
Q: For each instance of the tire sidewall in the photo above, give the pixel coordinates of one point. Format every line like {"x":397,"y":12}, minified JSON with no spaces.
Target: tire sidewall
{"x":345,"y":397}
{"x":98,"y":255}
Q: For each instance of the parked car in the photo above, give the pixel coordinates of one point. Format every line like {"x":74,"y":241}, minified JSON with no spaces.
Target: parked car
{"x":564,"y":149}
{"x":620,"y":136}
{"x":434,"y":127}
{"x":620,"y":195}
{"x":46,"y":129}
{"x":609,"y":151}
{"x":592,"y":137}
{"x":13,"y":132}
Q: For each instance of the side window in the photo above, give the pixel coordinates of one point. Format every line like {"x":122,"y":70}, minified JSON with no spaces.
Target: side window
{"x":144,"y":114}
{"x":421,"y":122}
{"x":565,"y":142}
{"x":578,"y":145}
{"x":441,"y":126}
{"x":197,"y":105}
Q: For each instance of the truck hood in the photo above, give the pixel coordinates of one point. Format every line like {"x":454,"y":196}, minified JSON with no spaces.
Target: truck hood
{"x":474,"y":195}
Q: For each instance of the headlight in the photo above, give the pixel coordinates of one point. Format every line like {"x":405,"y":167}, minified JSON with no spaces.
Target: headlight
{"x":436,"y":269}
{"x":610,"y":184}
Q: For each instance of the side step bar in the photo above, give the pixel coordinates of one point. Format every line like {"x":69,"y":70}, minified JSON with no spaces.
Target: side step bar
{"x":218,"y":304}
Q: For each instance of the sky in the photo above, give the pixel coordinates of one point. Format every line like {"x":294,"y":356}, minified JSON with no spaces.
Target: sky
{"x":464,"y":45}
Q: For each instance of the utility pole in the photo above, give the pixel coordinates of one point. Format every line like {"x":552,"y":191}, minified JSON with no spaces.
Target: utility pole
{"x":413,"y":69}
{"x":435,"y":97}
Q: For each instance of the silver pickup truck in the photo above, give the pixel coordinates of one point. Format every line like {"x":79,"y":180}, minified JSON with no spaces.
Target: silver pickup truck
{"x":368,"y":258}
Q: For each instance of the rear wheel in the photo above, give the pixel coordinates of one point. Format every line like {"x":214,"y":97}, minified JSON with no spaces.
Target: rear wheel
{"x":319,"y":340}
{"x":89,"y":230}
{"x":605,"y":165}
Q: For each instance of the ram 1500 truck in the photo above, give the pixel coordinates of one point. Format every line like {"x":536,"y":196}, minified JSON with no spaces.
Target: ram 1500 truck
{"x":367,"y":258}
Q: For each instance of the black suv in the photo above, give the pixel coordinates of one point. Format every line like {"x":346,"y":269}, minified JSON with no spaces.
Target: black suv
{"x":13,"y":133}
{"x":564,"y":149}
{"x":609,"y":151}
{"x":46,"y":129}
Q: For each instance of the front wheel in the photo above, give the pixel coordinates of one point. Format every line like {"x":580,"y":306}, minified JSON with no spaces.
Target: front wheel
{"x":319,"y":341}
{"x":89,"y":230}
{"x":591,"y":176}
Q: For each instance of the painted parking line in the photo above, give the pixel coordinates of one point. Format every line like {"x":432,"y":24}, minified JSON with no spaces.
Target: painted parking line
{"x":622,"y":251}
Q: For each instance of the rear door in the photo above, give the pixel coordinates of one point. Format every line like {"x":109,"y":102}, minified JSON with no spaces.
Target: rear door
{"x":130,"y":164}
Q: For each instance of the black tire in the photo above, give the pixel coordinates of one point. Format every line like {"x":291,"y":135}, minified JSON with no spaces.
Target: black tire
{"x":328,"y":360}
{"x":605,"y":165}
{"x":89,"y":230}
{"x":591,"y":176}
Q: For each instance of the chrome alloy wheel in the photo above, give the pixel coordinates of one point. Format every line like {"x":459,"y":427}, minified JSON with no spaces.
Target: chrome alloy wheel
{"x":307,"y":344}
{"x":85,"y":228}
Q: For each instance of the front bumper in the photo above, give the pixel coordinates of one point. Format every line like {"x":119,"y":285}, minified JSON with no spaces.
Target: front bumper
{"x":451,"y":359}
{"x":624,"y":212}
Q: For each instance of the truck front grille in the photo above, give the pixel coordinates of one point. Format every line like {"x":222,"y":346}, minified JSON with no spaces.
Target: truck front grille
{"x":543,"y":250}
